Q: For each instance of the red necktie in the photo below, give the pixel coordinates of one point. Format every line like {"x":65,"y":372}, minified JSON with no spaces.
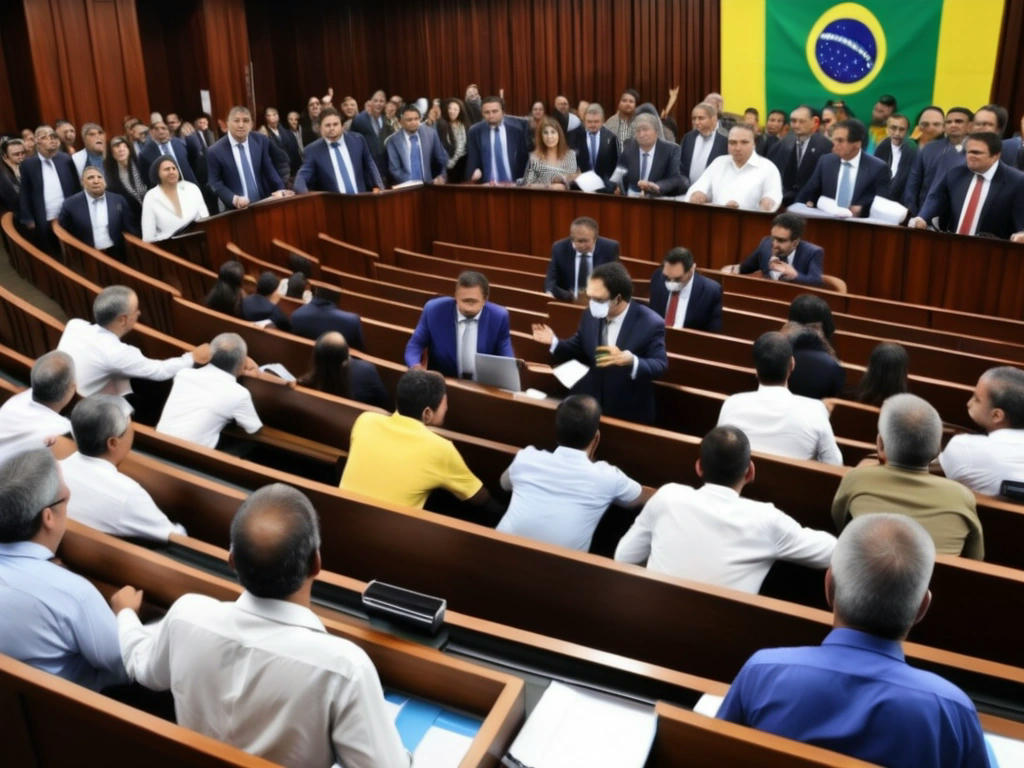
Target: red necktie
{"x":972,"y":206}
{"x":673,"y":305}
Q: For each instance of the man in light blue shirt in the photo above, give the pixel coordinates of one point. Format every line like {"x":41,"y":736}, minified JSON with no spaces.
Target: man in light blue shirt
{"x":53,"y":619}
{"x":560,"y":496}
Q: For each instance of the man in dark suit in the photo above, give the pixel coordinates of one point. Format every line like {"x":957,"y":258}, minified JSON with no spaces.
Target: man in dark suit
{"x":683,"y":296}
{"x":956,"y":199}
{"x":497,"y":147}
{"x":241,"y":148}
{"x":197,"y":151}
{"x":784,"y":256}
{"x":202,"y":125}
{"x":264,"y":303}
{"x":415,"y":152}
{"x":371,"y":125}
{"x":703,"y":144}
{"x":649,"y":166}
{"x":364,"y":383}
{"x":283,"y":139}
{"x":97,"y":217}
{"x":924,"y":172}
{"x":573,"y":259}
{"x":796,"y":155}
{"x":850,"y":176}
{"x":321,"y":314}
{"x":597,"y":148}
{"x":623,"y":343}
{"x":895,"y":152}
{"x":452,"y":330}
{"x":47,"y":179}
{"x":162,"y":143}
{"x":337,"y":162}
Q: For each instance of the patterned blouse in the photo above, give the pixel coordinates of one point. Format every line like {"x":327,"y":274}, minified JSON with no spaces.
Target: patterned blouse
{"x":540,"y":171}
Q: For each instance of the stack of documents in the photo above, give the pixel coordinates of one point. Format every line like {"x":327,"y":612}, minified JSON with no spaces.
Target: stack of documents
{"x":437,"y":738}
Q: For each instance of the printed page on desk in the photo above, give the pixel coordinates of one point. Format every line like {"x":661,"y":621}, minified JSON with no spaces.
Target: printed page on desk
{"x":436,"y":737}
{"x":576,"y":728}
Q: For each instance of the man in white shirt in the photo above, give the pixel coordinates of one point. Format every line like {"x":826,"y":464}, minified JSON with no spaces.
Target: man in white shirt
{"x":103,"y":363}
{"x":101,"y":496}
{"x":741,"y":179}
{"x":983,"y":462}
{"x":31,"y":419}
{"x":773,"y":418}
{"x":261,"y":673}
{"x":713,"y":535}
{"x":204,"y":400}
{"x":560,"y":496}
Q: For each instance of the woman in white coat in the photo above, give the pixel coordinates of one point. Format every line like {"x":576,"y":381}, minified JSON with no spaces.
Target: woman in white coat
{"x":172,"y":204}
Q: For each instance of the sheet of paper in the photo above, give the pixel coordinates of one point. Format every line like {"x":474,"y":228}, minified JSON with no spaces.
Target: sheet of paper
{"x":576,"y":728}
{"x":708,"y":704}
{"x":1008,"y":752}
{"x":278,"y":370}
{"x":886,"y":211}
{"x":589,"y":182}
{"x":828,"y":206}
{"x":570,"y":372}
{"x":406,"y":184}
{"x":441,"y":748}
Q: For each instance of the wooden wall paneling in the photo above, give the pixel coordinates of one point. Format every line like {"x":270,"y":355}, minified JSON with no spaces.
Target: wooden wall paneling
{"x":9,"y":124}
{"x":175,"y":55}
{"x":18,"y":81}
{"x":1008,"y":83}
{"x":225,"y":38}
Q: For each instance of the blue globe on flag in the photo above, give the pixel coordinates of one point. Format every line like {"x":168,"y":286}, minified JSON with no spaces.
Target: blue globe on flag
{"x":846,"y":50}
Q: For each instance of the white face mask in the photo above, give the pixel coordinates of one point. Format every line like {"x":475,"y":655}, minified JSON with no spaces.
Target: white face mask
{"x":599,"y":309}
{"x":673,"y":286}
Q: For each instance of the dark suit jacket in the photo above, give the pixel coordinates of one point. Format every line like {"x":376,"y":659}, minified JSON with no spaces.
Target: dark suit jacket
{"x":197,"y":157}
{"x":719,"y":147}
{"x":783,"y":153}
{"x":285,"y":140}
{"x":907,"y":156}
{"x":433,"y":156}
{"x":363,"y":125}
{"x":643,"y":334}
{"x":478,"y":151}
{"x":923,"y":173}
{"x":32,"y":206}
{"x":807,"y":261}
{"x":607,"y":153}
{"x":150,"y":152}
{"x":872,"y":179}
{"x":703,"y":313}
{"x":74,"y":217}
{"x":1002,"y":214}
{"x":10,"y":190}
{"x":1012,"y":154}
{"x":562,"y":267}
{"x":364,"y":384}
{"x":256,"y":307}
{"x":665,"y":170}
{"x":317,"y":172}
{"x":224,"y":180}
{"x":436,"y":333}
{"x":322,"y":315}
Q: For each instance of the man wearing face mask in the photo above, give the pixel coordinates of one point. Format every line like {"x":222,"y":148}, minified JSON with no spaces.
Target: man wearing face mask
{"x":683,"y":297}
{"x":622,"y":342}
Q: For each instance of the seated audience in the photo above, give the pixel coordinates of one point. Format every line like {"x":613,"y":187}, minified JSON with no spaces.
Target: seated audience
{"x":849,"y":176}
{"x":54,"y":619}
{"x":226,"y":294}
{"x":336,"y":372}
{"x":205,"y":400}
{"x":263,"y":305}
{"x":124,"y":175}
{"x":740,"y":179}
{"x":97,"y":217}
{"x":810,"y":328}
{"x":101,"y":496}
{"x":296,"y":286}
{"x":552,"y":164}
{"x":783,"y":255}
{"x":31,"y":419}
{"x":855,"y":693}
{"x":262,"y":673}
{"x":983,"y":462}
{"x":886,"y":374}
{"x":649,"y":166}
{"x":575,"y":257}
{"x":403,"y":440}
{"x":683,"y":296}
{"x":909,"y":438}
{"x":321,"y":314}
{"x":560,"y":496}
{"x":713,"y":535}
{"x":773,"y":418}
{"x":171,"y":204}
{"x":103,"y":363}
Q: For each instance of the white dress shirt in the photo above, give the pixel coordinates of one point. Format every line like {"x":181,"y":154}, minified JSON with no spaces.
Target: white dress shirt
{"x":105,"y":499}
{"x":160,"y":220}
{"x":264,"y":676}
{"x":25,"y":425}
{"x":202,"y":402}
{"x":715,"y":536}
{"x":104,"y":363}
{"x":896,"y":151}
{"x":701,"y":151}
{"x":684,"y":301}
{"x":777,"y":421}
{"x":986,"y":185}
{"x":53,"y":192}
{"x":346,"y":158}
{"x":982,"y":462}
{"x":723,"y":181}
{"x":98,"y":216}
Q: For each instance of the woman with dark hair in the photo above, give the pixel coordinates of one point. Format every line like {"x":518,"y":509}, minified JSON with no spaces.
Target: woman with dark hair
{"x":123,"y":173}
{"x":452,"y":128}
{"x":226,"y":294}
{"x":335,"y":372}
{"x":810,"y":329}
{"x":552,"y":164}
{"x":886,"y":374}
{"x":172,"y":204}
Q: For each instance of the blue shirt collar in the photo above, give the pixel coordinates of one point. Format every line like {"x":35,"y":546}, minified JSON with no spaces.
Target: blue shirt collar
{"x":854,"y":638}
{"x":29,"y":549}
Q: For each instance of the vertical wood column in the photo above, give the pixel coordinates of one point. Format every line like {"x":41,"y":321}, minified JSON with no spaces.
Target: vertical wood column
{"x":226,"y":44}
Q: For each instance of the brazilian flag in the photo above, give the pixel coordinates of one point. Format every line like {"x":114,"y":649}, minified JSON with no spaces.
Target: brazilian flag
{"x":777,"y":54}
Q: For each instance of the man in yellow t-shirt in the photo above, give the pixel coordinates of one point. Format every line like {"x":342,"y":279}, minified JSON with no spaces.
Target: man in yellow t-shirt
{"x":398,"y":459}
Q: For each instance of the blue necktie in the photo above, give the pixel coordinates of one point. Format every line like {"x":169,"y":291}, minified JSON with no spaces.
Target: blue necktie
{"x":498,"y":155}
{"x":593,"y":151}
{"x":349,"y":187}
{"x":252,"y":190}
{"x":164,"y":149}
{"x":643,"y":166}
{"x":415,"y":160}
{"x":845,"y":188}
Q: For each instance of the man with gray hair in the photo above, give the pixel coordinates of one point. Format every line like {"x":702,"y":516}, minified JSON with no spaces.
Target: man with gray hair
{"x":103,"y":363}
{"x":855,"y":693}
{"x":704,"y":143}
{"x":53,"y":619}
{"x":101,"y":496}
{"x":262,"y":673}
{"x":31,"y":419}
{"x":204,"y":400}
{"x":649,"y":166}
{"x":597,"y":148}
{"x":909,"y":435}
{"x":94,"y":149}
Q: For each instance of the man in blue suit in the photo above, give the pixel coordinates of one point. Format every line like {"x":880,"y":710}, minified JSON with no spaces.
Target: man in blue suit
{"x":240,"y":167}
{"x":784,"y":256}
{"x":956,"y":199}
{"x":648,"y":165}
{"x":162,"y":143}
{"x":338,"y":161}
{"x":321,"y":314}
{"x":623,"y":343}
{"x":683,"y":296}
{"x":498,"y":147}
{"x":415,"y":153}
{"x":703,"y":144}
{"x":932,"y":155}
{"x":47,"y":179}
{"x":452,"y":330}
{"x":851,"y":177}
{"x":573,"y":259}
{"x":97,"y":217}
{"x":597,"y":148}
